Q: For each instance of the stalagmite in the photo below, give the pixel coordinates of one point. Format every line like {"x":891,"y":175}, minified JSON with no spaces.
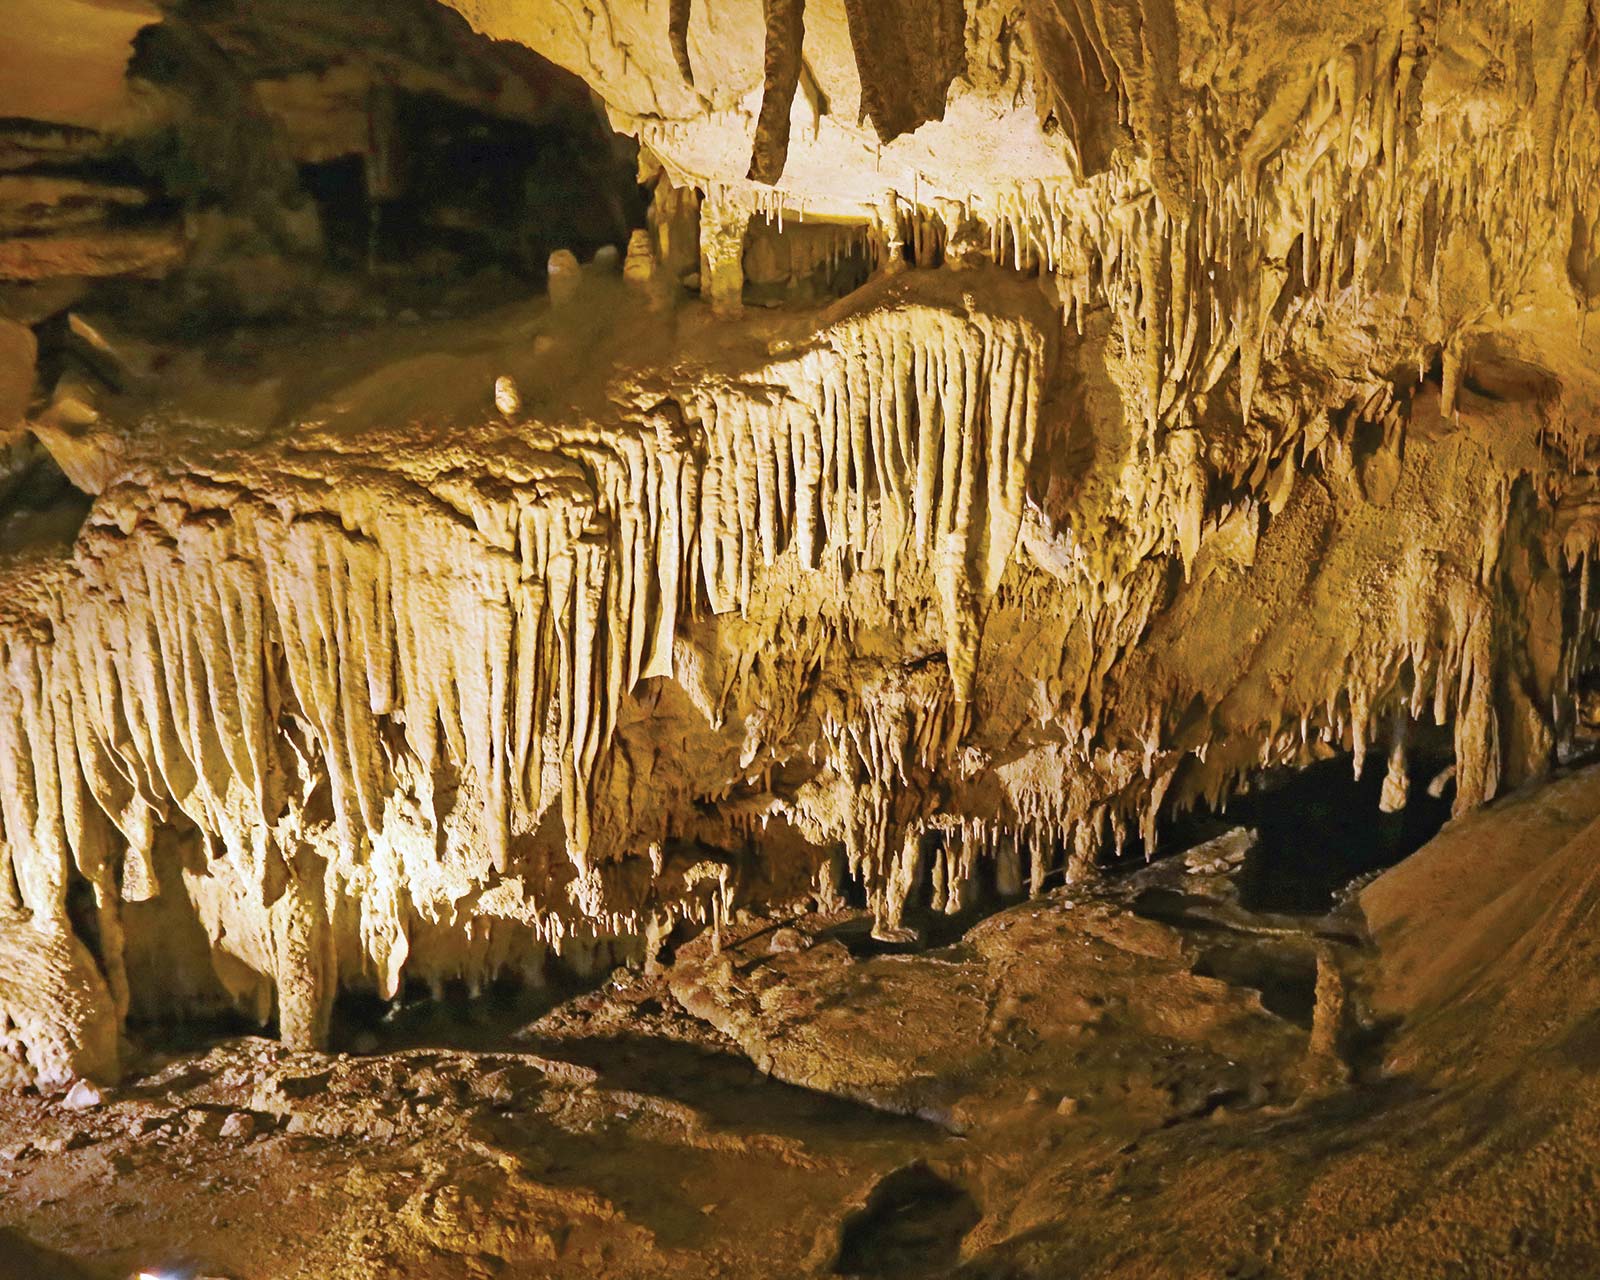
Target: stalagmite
{"x":304,"y":958}
{"x":57,"y":1020}
{"x":507,"y":398}
{"x":1397,"y":780}
{"x":723,"y":220}
{"x":564,"y":276}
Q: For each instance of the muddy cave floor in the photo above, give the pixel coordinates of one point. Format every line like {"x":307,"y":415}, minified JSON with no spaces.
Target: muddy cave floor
{"x":1151,"y":1077}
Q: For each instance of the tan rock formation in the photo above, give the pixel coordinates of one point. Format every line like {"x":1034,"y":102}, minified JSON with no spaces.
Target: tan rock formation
{"x":1254,"y":426}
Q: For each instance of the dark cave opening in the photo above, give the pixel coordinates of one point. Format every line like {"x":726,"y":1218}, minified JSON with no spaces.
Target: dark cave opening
{"x":1320,"y":827}
{"x":1284,"y":974}
{"x":40,"y":508}
{"x":1320,"y":830}
{"x":339,"y":188}
{"x":803,"y":262}
{"x":423,"y":171}
{"x":449,"y":1016}
{"x":448,"y":190}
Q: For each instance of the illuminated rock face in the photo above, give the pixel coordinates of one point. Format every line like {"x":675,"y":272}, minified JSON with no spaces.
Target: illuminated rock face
{"x":1221,"y":400}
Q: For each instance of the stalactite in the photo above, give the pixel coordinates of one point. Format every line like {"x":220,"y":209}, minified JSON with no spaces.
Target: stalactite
{"x":215,"y":647}
{"x":785,"y":21}
{"x":402,"y":684}
{"x":678,"y":32}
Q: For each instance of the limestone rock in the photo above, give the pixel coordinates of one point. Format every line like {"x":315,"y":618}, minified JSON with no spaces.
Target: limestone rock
{"x":1030,"y":999}
{"x":101,"y":252}
{"x":58,"y":1024}
{"x":82,"y":1096}
{"x":1221,"y":854}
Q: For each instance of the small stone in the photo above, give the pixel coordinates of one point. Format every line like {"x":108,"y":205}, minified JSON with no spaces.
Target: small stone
{"x":240,"y":1125}
{"x":82,"y":1096}
{"x":606,"y":258}
{"x":1034,"y":1096}
{"x":1067,"y":1107}
{"x":786,"y":940}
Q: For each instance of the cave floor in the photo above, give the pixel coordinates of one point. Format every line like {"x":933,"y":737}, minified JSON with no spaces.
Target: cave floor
{"x":1141,"y":1079}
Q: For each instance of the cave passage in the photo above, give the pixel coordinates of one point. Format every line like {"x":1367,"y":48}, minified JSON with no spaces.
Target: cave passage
{"x":1322,"y":828}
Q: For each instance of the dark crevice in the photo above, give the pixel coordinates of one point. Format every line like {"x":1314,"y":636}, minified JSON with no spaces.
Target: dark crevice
{"x":40,"y":508}
{"x":1285,"y":976}
{"x":1320,"y":828}
{"x":912,"y":1225}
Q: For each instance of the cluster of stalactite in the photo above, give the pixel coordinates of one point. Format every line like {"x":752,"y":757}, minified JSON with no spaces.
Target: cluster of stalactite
{"x":1336,"y":204}
{"x":385,"y":710}
{"x":225,"y":646}
{"x":1349,"y":206}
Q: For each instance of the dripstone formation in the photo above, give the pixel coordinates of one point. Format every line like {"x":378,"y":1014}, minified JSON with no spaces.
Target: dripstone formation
{"x":1017,"y":422}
